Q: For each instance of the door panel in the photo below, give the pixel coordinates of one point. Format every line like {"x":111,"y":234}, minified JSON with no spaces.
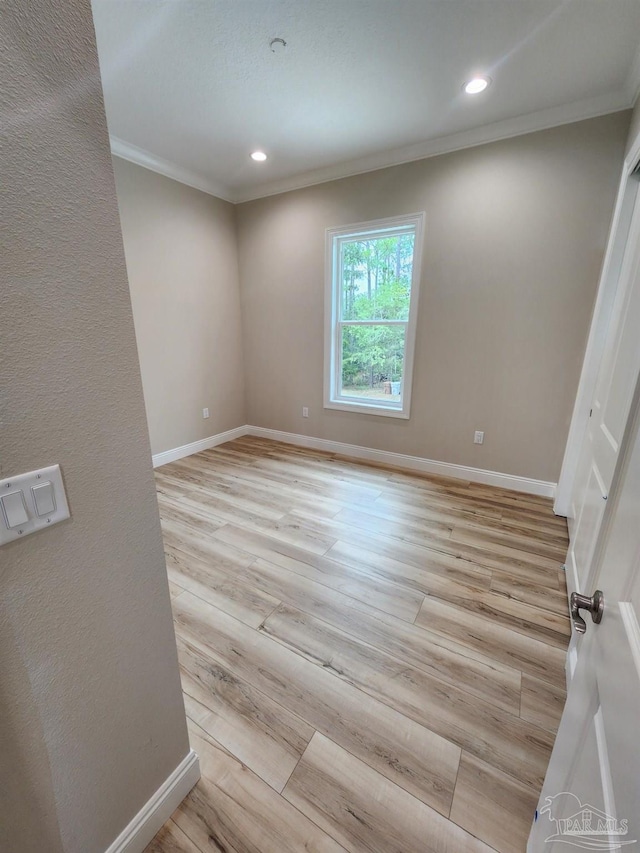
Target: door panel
{"x":582,"y":547}
{"x":620,"y":661}
{"x":618,"y":376}
{"x":611,"y":404}
{"x":594,"y":773}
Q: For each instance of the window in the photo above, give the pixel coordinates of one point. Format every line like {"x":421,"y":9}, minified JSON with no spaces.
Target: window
{"x":373,"y":275}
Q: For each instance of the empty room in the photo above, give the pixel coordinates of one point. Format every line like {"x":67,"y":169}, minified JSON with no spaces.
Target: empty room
{"x":320,"y":426}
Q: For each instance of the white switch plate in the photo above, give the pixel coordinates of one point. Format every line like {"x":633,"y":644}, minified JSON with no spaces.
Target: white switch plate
{"x":24,"y":483}
{"x":305,"y":412}
{"x":205,"y":413}
{"x":478,"y":437}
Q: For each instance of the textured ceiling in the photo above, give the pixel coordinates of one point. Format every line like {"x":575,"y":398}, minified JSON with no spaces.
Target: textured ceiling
{"x":362,"y":83}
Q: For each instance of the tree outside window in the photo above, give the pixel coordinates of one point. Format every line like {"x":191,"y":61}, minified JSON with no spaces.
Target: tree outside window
{"x":373,"y":296}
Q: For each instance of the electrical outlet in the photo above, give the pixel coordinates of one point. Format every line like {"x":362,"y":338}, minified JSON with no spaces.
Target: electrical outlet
{"x":478,"y":437}
{"x":205,"y":413}
{"x":305,"y":412}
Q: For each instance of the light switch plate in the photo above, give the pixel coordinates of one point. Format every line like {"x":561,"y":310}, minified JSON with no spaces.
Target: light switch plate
{"x":25,"y":483}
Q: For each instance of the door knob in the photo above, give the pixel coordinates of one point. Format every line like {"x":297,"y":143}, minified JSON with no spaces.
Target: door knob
{"x":595,"y":606}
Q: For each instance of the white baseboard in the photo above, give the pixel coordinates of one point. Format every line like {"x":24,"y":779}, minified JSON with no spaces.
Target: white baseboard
{"x":157,"y":811}
{"x":399,"y":460}
{"x":196,"y":446}
{"x":411,"y":463}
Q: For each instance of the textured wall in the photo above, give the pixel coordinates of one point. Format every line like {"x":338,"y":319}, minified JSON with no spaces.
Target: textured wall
{"x":180,"y":246}
{"x":91,"y":715}
{"x":514,"y":238}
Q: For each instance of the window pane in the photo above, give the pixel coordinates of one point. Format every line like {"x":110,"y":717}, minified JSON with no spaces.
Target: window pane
{"x":372,"y":362}
{"x":375,"y":277}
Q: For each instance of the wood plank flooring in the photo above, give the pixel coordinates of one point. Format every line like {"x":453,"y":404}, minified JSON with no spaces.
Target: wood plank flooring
{"x":371,"y":660}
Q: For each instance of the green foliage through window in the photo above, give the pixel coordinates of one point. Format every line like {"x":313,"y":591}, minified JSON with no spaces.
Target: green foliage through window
{"x":375,"y":276}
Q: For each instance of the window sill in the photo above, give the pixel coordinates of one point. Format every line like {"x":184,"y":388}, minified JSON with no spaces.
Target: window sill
{"x":359,"y":408}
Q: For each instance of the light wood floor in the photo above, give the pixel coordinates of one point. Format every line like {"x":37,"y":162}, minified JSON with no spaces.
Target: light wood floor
{"x":371,"y":660}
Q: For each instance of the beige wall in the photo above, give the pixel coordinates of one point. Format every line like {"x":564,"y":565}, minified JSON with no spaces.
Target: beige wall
{"x":515,"y":235}
{"x":91,"y":715}
{"x":180,"y":246}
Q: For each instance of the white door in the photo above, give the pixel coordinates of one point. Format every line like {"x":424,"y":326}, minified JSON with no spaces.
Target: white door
{"x":591,"y":795}
{"x":619,"y":370}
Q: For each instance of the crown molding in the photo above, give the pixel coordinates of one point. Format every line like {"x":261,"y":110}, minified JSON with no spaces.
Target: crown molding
{"x":529,"y":123}
{"x":127,"y":151}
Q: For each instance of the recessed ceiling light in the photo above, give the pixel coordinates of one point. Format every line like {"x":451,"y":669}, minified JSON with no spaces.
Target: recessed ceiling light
{"x":277,"y":45}
{"x":259,"y":156}
{"x":476,"y":85}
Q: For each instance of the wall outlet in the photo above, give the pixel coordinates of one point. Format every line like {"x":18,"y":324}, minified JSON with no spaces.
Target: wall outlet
{"x":478,"y":437}
{"x":305,"y":412}
{"x":205,"y":413}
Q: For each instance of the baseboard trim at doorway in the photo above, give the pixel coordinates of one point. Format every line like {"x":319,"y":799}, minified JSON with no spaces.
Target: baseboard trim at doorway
{"x":157,"y":811}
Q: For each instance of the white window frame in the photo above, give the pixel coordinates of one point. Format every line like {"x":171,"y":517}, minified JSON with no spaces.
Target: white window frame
{"x":333,"y":399}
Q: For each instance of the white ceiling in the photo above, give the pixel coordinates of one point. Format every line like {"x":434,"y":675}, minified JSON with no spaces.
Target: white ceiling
{"x":192,"y":87}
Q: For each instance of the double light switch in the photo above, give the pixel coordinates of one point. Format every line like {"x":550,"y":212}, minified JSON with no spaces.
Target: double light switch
{"x":31,"y":501}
